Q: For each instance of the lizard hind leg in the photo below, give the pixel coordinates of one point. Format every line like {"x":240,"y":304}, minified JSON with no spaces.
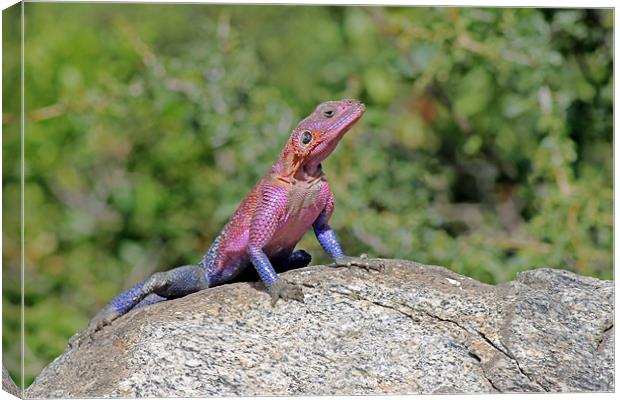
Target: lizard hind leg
{"x":158,"y":287}
{"x":294,"y":260}
{"x":297,"y":259}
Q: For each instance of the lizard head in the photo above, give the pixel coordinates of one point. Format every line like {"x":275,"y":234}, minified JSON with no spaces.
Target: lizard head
{"x":318,"y":134}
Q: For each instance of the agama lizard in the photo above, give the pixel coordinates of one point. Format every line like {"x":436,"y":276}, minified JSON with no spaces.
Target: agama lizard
{"x":267,"y":226}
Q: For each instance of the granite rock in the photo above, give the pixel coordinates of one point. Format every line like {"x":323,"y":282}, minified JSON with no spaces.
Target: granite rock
{"x":8,"y":385}
{"x":411,"y":328}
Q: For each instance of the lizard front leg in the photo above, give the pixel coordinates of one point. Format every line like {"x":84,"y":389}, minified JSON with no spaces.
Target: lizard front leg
{"x":328,"y":240}
{"x":271,"y":209}
{"x":276,"y":287}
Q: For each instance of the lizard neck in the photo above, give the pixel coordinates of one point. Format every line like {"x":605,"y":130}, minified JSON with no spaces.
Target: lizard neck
{"x":289,"y":164}
{"x":290,"y":168}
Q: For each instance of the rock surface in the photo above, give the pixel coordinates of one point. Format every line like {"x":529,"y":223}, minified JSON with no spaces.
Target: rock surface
{"x":8,"y":385}
{"x":409,"y":329}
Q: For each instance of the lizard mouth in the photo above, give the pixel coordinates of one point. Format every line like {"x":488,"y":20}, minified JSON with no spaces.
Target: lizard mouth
{"x":350,"y":117}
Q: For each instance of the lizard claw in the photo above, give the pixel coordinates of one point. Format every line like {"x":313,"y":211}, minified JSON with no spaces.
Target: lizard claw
{"x":283,"y":290}
{"x":361,"y":262}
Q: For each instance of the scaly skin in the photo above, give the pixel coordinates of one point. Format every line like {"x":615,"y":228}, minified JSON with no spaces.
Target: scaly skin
{"x":270,"y":221}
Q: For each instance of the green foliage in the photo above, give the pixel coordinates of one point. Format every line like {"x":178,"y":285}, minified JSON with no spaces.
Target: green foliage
{"x":11,"y":196}
{"x":486,"y":146}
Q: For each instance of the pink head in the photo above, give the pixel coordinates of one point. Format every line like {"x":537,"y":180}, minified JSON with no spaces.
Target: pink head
{"x":318,"y":134}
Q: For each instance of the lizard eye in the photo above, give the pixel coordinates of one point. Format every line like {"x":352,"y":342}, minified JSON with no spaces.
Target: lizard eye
{"x":306,"y":137}
{"x":329,"y":112}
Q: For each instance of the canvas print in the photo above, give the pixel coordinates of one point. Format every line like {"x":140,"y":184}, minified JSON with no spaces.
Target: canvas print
{"x":247,"y":200}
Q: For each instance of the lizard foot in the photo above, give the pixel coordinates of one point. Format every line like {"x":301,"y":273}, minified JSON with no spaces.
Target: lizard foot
{"x":284,"y":290}
{"x":361,"y":262}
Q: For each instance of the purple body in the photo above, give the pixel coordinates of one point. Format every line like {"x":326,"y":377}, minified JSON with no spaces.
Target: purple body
{"x":286,"y":202}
